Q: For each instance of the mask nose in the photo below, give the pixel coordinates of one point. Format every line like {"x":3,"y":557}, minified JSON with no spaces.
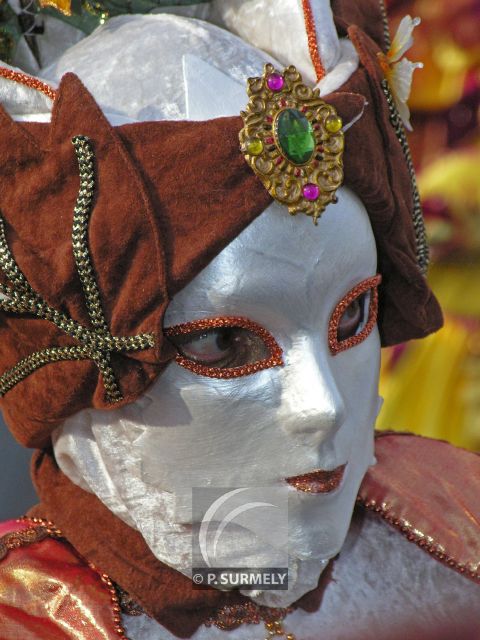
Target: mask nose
{"x":312,"y":407}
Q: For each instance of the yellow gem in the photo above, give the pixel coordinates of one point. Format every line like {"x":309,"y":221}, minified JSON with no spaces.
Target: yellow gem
{"x":333,"y":124}
{"x":255,"y":147}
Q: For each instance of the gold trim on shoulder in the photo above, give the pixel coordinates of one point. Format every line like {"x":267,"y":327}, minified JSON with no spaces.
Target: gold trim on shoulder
{"x":293,"y":141}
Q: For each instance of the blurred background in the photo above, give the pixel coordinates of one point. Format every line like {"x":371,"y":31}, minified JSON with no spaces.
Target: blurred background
{"x":431,"y":386}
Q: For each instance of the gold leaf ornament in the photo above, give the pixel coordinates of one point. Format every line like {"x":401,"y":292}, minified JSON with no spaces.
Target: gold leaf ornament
{"x":293,"y":140}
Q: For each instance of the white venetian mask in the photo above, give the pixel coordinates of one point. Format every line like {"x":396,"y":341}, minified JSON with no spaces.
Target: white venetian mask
{"x":315,"y":411}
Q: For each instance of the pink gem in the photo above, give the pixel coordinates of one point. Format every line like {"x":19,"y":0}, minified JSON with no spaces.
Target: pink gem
{"x":275,"y":82}
{"x":310,"y":191}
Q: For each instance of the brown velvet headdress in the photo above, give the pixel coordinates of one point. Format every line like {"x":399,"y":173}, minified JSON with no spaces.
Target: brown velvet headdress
{"x":106,"y":230}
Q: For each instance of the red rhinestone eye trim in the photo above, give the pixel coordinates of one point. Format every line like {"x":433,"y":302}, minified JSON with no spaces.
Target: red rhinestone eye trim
{"x":362,"y":287}
{"x":274,"y":360}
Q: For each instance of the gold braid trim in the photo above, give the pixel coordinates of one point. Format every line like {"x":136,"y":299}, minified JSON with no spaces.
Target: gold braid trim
{"x":423,"y":257}
{"x":386,"y":28}
{"x":96,"y":344}
{"x":18,"y":539}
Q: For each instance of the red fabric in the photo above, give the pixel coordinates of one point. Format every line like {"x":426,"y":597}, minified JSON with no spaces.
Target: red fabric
{"x":47,"y":592}
{"x":430,"y":491}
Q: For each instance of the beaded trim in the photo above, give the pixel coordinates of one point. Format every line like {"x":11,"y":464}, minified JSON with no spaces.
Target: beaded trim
{"x":28,"y":81}
{"x":312,"y":40}
{"x":96,"y":344}
{"x":419,"y":538}
{"x":362,"y":287}
{"x":116,"y":607}
{"x":274,"y":360}
{"x":417,"y":214}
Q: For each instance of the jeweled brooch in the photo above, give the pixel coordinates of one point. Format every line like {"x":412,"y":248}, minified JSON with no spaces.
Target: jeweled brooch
{"x":293,"y":141}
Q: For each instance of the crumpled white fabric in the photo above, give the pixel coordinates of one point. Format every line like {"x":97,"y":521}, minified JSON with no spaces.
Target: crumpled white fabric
{"x":279,"y":28}
{"x":150,"y":86}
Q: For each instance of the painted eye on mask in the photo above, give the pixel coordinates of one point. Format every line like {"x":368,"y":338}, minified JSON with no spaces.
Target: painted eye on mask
{"x":354,"y":316}
{"x":227,"y":347}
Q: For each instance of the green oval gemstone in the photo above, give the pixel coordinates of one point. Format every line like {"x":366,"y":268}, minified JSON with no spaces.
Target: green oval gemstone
{"x":295,"y":136}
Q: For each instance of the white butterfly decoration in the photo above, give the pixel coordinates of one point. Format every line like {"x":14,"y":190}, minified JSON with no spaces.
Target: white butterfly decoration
{"x":399,"y":70}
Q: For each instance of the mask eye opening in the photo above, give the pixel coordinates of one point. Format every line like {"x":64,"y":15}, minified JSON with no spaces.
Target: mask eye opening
{"x":370,"y":284}
{"x":275,"y":358}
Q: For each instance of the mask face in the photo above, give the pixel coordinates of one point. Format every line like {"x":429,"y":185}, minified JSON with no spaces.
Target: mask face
{"x":315,"y":412}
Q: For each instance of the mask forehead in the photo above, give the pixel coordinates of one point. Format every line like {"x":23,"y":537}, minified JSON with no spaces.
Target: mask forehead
{"x":284,"y":264}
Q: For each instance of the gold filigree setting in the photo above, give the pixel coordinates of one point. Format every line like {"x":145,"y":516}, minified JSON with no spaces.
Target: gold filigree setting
{"x":308,"y":182}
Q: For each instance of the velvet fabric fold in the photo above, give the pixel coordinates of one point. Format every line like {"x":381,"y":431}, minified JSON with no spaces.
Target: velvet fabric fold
{"x":169,"y":197}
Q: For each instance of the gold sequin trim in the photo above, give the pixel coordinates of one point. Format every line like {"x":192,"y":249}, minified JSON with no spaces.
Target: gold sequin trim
{"x":312,"y":40}
{"x":362,"y":287}
{"x":18,"y":539}
{"x":42,"y":529}
{"x":96,"y":344}
{"x":29,"y":81}
{"x":64,"y":6}
{"x":230,"y":617}
{"x":420,"y":539}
